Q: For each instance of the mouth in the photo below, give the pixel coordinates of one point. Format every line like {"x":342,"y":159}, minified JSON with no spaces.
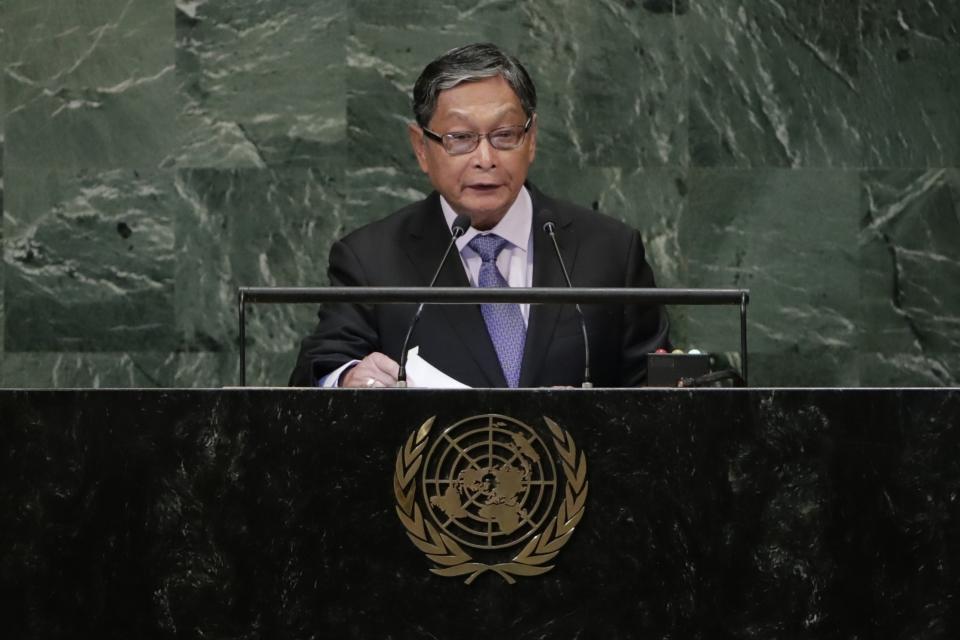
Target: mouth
{"x":482,"y":187}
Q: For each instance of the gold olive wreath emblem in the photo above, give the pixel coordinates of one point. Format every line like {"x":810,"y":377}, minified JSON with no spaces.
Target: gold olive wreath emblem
{"x":489,"y":482}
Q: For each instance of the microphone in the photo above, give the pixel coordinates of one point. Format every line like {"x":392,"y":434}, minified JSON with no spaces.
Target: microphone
{"x":550,"y":228}
{"x":460,"y":226}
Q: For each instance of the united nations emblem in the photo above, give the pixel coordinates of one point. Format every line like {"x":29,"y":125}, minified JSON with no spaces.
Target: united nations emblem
{"x":487,"y":494}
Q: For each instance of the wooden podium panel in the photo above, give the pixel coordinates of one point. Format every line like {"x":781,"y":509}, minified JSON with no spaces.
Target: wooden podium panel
{"x":272,"y":514}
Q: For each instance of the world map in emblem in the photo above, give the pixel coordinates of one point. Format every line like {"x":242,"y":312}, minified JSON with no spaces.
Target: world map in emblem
{"x":489,"y":481}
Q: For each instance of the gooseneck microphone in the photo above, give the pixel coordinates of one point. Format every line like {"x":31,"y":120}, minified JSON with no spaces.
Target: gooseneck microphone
{"x":550,"y":228}
{"x":460,"y":226}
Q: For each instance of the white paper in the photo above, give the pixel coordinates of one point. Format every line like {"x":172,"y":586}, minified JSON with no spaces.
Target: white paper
{"x":422,"y":374}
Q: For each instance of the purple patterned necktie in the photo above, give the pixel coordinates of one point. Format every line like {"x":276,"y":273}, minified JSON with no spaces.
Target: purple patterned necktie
{"x":504,"y":321}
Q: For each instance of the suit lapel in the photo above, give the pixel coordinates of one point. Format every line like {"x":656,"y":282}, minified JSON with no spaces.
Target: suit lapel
{"x":546,"y":273}
{"x":428,"y":237}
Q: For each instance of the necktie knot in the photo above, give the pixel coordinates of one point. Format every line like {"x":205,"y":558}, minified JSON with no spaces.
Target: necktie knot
{"x":488,"y":247}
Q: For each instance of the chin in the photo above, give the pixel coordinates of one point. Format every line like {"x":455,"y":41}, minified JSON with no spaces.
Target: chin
{"x":485,"y":207}
{"x":484,"y":218}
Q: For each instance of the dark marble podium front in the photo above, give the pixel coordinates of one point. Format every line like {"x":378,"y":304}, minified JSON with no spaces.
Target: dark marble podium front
{"x":270,"y":514}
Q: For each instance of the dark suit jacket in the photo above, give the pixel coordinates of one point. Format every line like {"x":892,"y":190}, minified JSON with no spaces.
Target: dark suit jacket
{"x":404,"y":249}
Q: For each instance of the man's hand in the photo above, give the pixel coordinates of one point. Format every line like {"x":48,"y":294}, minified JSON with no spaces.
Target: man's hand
{"x":376,"y":370}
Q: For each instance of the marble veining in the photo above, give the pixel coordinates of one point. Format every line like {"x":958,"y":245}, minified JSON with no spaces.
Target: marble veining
{"x":805,"y":149}
{"x":910,"y":76}
{"x":79,"y":94}
{"x":260,"y":83}
{"x":911,"y":264}
{"x":752,"y":107}
{"x":88,"y":252}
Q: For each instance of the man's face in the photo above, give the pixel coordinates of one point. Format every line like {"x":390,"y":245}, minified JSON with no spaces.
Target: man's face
{"x":484,"y":183}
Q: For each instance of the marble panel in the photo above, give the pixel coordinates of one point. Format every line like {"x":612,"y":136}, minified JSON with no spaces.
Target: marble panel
{"x":99,"y":370}
{"x":3,"y":146}
{"x":910,"y":264}
{"x":432,"y":28}
{"x":250,"y":227}
{"x":787,"y":235}
{"x":260,"y":83}
{"x":208,"y":369}
{"x":3,"y":119}
{"x":774,"y":83}
{"x":4,"y":46}
{"x":265,"y":367}
{"x":384,"y":61}
{"x":3,"y":244}
{"x":145,"y":369}
{"x":611,"y":81}
{"x":89,"y":260}
{"x":806,"y":366}
{"x":909,"y":370}
{"x":89,"y":85}
{"x":911,"y":83}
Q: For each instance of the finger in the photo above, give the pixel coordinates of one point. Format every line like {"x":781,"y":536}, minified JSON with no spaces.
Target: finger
{"x":376,"y":370}
{"x":386,"y":365}
{"x":367,"y":382}
{"x":365,"y":376}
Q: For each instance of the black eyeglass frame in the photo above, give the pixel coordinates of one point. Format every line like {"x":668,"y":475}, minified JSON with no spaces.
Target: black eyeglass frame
{"x":437,"y":137}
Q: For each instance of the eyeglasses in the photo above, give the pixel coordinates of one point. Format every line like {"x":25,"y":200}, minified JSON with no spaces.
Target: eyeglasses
{"x":458,"y":143}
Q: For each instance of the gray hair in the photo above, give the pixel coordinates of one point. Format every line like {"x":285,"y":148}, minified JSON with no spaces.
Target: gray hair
{"x":468,"y":64}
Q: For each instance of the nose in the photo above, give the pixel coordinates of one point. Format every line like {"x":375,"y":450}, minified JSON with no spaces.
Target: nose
{"x":484,"y":156}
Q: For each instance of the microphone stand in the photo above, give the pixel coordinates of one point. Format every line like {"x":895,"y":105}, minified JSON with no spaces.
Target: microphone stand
{"x":550,"y":228}
{"x":460,"y":226}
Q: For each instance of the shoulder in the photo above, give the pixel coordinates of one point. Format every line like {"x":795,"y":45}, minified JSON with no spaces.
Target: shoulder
{"x":599,"y":222}
{"x":583,"y":221}
{"x":407,"y":220}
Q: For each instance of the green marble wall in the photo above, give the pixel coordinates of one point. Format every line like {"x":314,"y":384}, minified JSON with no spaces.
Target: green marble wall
{"x":158,"y":154}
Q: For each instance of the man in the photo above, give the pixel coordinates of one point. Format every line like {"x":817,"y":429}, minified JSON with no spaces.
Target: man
{"x":475,"y":137}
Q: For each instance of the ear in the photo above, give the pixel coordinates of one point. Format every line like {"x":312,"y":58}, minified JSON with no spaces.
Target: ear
{"x":532,"y":140}
{"x":419,"y":143}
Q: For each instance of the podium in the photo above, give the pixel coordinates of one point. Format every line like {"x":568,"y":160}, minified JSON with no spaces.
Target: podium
{"x":272,"y":513}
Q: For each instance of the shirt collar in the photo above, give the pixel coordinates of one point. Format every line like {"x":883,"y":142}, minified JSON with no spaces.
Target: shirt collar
{"x":514,"y":227}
